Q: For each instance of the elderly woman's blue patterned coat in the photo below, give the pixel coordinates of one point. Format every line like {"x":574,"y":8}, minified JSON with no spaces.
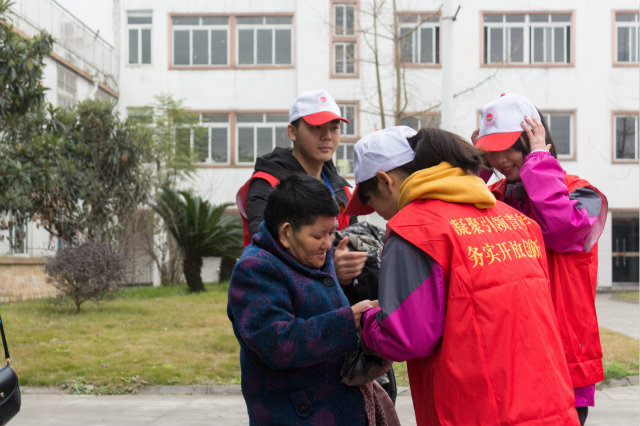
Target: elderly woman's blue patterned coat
{"x":294,"y":324}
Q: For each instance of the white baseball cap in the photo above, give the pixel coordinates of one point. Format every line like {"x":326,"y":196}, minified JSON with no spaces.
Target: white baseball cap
{"x":380,"y":151}
{"x":316,"y":107}
{"x":500,"y":121}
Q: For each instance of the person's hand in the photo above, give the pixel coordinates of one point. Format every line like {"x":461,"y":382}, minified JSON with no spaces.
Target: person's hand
{"x":361,"y":306}
{"x":348,"y":263}
{"x":535,"y":133}
{"x":474,"y":136}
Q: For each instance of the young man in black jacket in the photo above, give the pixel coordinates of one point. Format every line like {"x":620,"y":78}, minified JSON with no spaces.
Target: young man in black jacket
{"x":314,"y":129}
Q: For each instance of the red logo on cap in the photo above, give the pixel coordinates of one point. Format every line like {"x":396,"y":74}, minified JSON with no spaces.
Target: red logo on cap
{"x":322,"y":99}
{"x":491,"y":117}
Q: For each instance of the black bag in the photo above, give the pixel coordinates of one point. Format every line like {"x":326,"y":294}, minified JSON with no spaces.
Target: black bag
{"x":9,"y":389}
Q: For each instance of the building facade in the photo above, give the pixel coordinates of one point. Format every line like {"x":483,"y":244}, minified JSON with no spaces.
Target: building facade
{"x":239,"y":64}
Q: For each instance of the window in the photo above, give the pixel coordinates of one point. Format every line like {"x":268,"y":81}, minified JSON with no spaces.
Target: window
{"x":561,"y":128}
{"x":419,"y":39}
{"x":624,"y":248}
{"x":344,"y":39}
{"x":259,"y":134}
{"x":626,"y":136}
{"x":67,"y":87}
{"x":200,"y":40}
{"x":264,"y":40}
{"x":348,"y":111}
{"x":533,"y":38}
{"x":18,"y":238}
{"x":208,"y":141}
{"x":344,"y":158}
{"x":140,"y":115}
{"x":421,"y":119}
{"x":139,"y":29}
{"x":627,"y":37}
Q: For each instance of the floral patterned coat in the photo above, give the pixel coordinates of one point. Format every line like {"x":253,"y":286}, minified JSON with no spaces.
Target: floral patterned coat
{"x":294,"y":324}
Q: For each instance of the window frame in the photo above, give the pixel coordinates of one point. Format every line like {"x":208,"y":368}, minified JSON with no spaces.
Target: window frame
{"x":139,"y":28}
{"x":437,"y":33}
{"x":572,"y":156}
{"x":350,"y":137}
{"x":23,"y":250}
{"x":232,"y":41}
{"x":527,"y":25}
{"x":343,"y":151}
{"x":614,"y":39}
{"x":255,"y":27}
{"x":344,"y":39}
{"x":238,"y":125}
{"x":614,"y":132}
{"x":66,"y":75}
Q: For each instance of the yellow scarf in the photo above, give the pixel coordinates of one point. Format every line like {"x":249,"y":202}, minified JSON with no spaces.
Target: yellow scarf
{"x":447,"y":183}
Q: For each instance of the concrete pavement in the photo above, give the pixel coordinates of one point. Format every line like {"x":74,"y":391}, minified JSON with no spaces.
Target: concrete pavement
{"x":223,"y":405}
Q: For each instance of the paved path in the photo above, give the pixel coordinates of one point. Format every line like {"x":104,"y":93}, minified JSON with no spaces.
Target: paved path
{"x":623,"y":317}
{"x":618,"y":406}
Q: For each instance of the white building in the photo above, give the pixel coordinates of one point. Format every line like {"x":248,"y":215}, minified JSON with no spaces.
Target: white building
{"x":241,"y":63}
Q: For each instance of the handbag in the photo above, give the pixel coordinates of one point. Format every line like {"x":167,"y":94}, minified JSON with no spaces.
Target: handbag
{"x":9,"y":389}
{"x":362,"y":366}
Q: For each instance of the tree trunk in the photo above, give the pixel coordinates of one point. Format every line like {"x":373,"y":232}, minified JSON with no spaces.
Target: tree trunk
{"x":226,"y":267}
{"x":192,"y":268}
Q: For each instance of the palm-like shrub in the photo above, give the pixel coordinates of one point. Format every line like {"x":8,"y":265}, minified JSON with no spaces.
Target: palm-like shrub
{"x":200,"y":229}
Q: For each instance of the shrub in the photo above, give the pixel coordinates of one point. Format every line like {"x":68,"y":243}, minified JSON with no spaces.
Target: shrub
{"x":90,"y":271}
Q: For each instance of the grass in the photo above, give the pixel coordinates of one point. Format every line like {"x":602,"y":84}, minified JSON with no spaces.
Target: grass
{"x":627,"y":296}
{"x":160,"y":336}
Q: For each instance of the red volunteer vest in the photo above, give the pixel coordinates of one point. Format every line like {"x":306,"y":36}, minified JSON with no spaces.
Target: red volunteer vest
{"x":573,"y":278}
{"x":500,"y":361}
{"x":243,"y":195}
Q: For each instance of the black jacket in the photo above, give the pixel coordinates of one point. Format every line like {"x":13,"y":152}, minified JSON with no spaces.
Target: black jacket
{"x":281,"y":163}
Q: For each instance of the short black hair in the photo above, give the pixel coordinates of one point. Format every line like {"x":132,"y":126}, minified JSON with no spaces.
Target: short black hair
{"x":298,"y":199}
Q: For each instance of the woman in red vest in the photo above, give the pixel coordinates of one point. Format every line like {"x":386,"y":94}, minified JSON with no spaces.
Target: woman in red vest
{"x":571,"y":213}
{"x":463,"y":286}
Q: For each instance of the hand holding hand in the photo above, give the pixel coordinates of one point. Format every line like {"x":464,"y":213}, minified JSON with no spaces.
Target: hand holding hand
{"x":348,"y":263}
{"x":361,"y":306}
{"x":535,"y":133}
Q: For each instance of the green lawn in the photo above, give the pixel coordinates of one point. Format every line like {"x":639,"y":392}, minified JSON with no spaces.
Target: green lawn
{"x":159,"y":336}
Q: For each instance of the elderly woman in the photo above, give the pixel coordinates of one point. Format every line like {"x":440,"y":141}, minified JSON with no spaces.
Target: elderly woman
{"x":292,"y":319}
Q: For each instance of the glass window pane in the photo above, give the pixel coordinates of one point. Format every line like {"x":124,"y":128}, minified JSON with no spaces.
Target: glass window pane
{"x":200,"y":47}
{"x":623,"y":45}
{"x":183,"y":142}
{"x":133,"y":46}
{"x":548,"y":39}
{"x":626,"y":137}
{"x":245,"y":47}
{"x":283,"y":47}
{"x":201,"y":144}
{"x":219,"y":47}
{"x":181,"y":47}
{"x":426,"y":45}
{"x":560,"y":128}
{"x":634,"y":45}
{"x":219,"y":145}
{"x":351,"y":21}
{"x":277,"y":118}
{"x":265,"y":46}
{"x":539,"y":17}
{"x":250,"y":118}
{"x":339,"y":58}
{"x":215,"y":20}
{"x":146,"y":46}
{"x":516,"y":45}
{"x":489,"y":17}
{"x":265,"y":140}
{"x":350,"y":59}
{"x":245,"y":145}
{"x":624,"y":248}
{"x":558,"y":45}
{"x":279,"y":20}
{"x":282,"y":137}
{"x":250,"y":20}
{"x":185,"y":20}
{"x":515,"y":18}
{"x":215,"y":118}
{"x":496,"y":41}
{"x":340,"y":159}
{"x":406,"y":45}
{"x":561,"y":17}
{"x":338,"y":19}
{"x":349,"y":168}
{"x":132,"y":19}
{"x":626,"y":17}
{"x":538,"y":46}
{"x":411,"y":122}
